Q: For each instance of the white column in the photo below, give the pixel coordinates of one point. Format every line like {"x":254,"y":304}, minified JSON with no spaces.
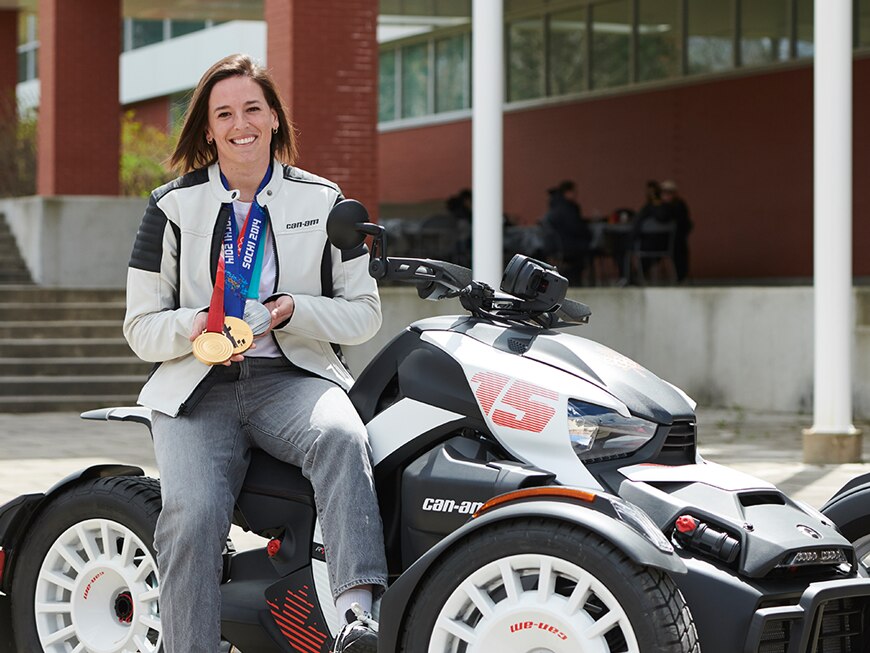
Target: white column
{"x":832,"y":409}
{"x":487,"y":96}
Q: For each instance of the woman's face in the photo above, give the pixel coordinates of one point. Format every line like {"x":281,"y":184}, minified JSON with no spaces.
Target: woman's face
{"x":241,"y":122}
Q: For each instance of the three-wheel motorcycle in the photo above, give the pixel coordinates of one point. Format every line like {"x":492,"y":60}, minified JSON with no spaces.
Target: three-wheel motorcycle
{"x":540,"y":493}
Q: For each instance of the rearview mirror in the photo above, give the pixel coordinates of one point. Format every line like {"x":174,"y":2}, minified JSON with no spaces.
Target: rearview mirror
{"x":344,"y":225}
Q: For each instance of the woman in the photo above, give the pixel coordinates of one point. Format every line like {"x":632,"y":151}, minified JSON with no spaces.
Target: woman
{"x":241,"y":230}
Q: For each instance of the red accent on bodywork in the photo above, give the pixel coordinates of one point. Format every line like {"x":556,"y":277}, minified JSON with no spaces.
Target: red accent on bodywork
{"x":273,"y":547}
{"x":293,"y":618}
{"x":686,"y":524}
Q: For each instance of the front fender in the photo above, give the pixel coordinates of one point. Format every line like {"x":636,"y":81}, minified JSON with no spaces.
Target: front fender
{"x":17,"y":515}
{"x":849,"y":508}
{"x":632,"y":544}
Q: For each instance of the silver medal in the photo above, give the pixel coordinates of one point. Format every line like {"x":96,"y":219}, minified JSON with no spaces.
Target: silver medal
{"x":257,"y":316}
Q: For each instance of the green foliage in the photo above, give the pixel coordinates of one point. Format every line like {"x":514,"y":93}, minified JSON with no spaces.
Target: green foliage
{"x":17,"y":153}
{"x":144,"y":154}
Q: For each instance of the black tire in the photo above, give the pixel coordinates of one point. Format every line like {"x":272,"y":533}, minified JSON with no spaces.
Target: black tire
{"x":106,"y":526}
{"x":650,"y":609}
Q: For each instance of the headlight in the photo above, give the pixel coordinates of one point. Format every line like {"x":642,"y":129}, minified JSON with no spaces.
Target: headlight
{"x":600,"y":434}
{"x":641,"y":522}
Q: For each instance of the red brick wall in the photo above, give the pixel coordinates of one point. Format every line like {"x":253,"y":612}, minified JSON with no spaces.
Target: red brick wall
{"x":153,"y":112}
{"x":324,"y":56}
{"x":8,"y":61}
{"x":740,"y":148}
{"x":79,"y":139}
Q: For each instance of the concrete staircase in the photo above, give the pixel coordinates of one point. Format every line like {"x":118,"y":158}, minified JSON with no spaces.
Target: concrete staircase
{"x":63,"y":350}
{"x":12,"y":267}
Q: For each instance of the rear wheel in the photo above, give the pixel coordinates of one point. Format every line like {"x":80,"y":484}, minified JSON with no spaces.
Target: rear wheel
{"x":88,"y":580}
{"x":538,"y":586}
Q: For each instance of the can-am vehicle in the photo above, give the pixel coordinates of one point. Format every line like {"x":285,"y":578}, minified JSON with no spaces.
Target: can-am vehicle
{"x":540,"y":493}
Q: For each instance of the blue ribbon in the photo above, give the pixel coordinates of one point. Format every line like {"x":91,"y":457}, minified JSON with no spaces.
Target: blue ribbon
{"x":240,"y":264}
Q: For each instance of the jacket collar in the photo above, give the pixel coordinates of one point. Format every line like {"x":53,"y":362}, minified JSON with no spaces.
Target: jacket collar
{"x":269,"y":192}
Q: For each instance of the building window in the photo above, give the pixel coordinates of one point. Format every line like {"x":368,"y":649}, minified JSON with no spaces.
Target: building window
{"x":182,"y":27}
{"x":451,"y":73}
{"x":28,"y":47}
{"x":658,"y":39}
{"x":387,"y":86}
{"x":567,"y":52}
{"x":525,"y":59}
{"x":611,"y":43}
{"x":145,"y":32}
{"x":764,"y":30}
{"x":415,"y":80}
{"x":862,"y":23}
{"x":805,"y":20}
{"x":711,"y":35}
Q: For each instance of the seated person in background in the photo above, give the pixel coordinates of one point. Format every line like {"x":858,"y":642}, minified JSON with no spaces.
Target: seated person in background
{"x":623,"y":246}
{"x":675,"y":209}
{"x":566,"y":233}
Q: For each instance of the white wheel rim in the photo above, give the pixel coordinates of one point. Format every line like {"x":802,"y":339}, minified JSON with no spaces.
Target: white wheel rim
{"x":862,"y":550}
{"x":532,"y":603}
{"x":97,"y":592}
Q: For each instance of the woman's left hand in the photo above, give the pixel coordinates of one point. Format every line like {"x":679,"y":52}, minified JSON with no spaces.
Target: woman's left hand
{"x":281,"y":309}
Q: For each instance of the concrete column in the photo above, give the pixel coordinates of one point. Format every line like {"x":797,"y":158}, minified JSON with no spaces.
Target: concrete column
{"x":833,"y":438}
{"x":8,"y":62}
{"x":79,"y":116}
{"x":324,"y":56}
{"x":487,"y":48}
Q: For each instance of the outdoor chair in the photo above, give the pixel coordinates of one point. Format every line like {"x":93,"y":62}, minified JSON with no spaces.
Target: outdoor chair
{"x":654,"y":247}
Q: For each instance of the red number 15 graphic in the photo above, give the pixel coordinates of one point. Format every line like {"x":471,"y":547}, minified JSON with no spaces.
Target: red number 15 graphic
{"x":532,"y":415}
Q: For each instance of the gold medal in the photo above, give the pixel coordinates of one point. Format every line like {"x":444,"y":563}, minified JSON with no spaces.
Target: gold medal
{"x":238,"y":333}
{"x":212,"y":348}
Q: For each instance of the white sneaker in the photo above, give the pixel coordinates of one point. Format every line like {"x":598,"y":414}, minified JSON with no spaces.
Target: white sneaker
{"x":359,"y":635}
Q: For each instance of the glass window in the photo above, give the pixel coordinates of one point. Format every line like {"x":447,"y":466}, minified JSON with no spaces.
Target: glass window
{"x":182,"y":27}
{"x":862,"y":21}
{"x":567,"y":52}
{"x":415,"y":80}
{"x":22,"y":66}
{"x":805,"y":29}
{"x":526,"y":59}
{"x":387,"y":86}
{"x":146,"y":32}
{"x":611,"y":43}
{"x":658,"y":39}
{"x":711,"y":35}
{"x":764,"y":29}
{"x":451,"y":77}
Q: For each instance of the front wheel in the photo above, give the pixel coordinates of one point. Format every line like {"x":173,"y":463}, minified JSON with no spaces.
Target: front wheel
{"x":87,"y":579}
{"x":539,"y":586}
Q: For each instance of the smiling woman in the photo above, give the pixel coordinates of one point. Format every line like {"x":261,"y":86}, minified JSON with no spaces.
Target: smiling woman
{"x":241,"y":327}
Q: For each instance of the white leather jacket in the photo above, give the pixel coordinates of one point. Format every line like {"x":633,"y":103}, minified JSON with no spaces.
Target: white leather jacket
{"x":174,"y":261}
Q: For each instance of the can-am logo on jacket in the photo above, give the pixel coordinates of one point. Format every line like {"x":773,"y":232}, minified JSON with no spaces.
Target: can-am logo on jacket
{"x":513,"y":403}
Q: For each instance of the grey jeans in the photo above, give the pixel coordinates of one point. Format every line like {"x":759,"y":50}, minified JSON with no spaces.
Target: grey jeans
{"x":202,"y":459}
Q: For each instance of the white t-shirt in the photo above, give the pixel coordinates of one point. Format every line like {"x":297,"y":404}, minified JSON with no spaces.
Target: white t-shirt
{"x":266,"y":347}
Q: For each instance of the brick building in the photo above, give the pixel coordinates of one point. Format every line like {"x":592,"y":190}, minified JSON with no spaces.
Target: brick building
{"x":716,"y":94}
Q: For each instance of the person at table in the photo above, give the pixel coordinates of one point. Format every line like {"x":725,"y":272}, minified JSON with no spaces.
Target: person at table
{"x":567,"y":235}
{"x":674,"y":209}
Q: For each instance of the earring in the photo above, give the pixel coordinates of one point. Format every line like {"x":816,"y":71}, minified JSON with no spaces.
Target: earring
{"x":209,"y":140}
{"x":274,"y":130}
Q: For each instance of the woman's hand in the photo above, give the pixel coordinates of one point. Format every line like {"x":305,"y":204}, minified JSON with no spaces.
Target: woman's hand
{"x":281,"y":309}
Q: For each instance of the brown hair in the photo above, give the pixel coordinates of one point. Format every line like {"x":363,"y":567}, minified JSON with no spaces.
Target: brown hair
{"x":193,"y":152}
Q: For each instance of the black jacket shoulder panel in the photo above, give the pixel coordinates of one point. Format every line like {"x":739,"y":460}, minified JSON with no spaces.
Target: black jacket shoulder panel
{"x":148,"y":247}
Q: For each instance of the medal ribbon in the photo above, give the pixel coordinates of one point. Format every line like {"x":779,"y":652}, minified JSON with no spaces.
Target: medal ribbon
{"x":239,"y":263}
